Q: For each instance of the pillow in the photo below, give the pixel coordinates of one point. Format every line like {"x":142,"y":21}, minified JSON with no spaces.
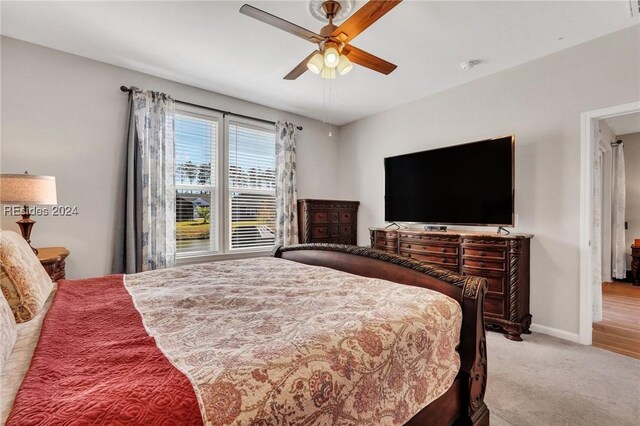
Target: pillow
{"x":8,"y":331}
{"x":24,"y":282}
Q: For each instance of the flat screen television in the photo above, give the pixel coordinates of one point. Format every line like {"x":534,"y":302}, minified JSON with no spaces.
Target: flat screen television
{"x":469,"y":184}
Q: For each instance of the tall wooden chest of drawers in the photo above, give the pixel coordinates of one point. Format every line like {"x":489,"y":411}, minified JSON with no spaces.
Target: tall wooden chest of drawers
{"x":328,"y":221}
{"x":502,"y":259}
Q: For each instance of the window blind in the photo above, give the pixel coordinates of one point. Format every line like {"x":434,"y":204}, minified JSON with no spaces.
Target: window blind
{"x":197,"y":212}
{"x":252,"y":180}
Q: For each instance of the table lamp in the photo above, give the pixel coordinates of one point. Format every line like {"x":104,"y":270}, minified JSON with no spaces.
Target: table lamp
{"x":27,"y":190}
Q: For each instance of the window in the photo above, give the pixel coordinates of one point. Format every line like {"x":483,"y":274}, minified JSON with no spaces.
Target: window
{"x":225,"y":184}
{"x":252,"y":186}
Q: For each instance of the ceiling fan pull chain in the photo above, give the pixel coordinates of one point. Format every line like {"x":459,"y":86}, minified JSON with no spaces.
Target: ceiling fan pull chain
{"x":329,"y":113}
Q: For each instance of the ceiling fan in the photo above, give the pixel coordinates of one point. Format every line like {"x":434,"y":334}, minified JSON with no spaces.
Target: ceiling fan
{"x":334,"y":51}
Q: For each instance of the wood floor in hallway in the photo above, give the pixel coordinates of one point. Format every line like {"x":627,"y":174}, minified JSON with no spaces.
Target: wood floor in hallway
{"x":619,"y":330}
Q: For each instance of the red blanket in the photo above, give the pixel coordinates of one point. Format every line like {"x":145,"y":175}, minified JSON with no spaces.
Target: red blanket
{"x":96,"y":364}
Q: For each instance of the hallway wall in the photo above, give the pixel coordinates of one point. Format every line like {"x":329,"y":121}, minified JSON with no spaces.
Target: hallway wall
{"x":632,"y":177}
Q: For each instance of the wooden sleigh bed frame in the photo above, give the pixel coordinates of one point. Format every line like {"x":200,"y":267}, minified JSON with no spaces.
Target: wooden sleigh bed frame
{"x":463,"y":403}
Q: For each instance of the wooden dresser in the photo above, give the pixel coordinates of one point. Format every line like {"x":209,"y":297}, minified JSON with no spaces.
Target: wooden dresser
{"x":328,"y":221}
{"x":502,"y":259}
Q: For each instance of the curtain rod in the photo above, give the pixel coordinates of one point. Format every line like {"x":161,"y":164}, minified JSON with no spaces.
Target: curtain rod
{"x":262,"y":120}
{"x":617,"y":143}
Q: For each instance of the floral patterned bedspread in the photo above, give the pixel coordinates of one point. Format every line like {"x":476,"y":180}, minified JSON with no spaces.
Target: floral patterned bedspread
{"x":273,"y":342}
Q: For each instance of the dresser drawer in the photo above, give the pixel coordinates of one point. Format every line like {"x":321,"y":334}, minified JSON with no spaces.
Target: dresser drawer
{"x":319,"y":231}
{"x":494,"y":306}
{"x":386,"y":243}
{"x":389,"y":236}
{"x":482,"y":264}
{"x":346,"y":230}
{"x":430,"y":239}
{"x":334,"y":215}
{"x":346,"y":216}
{"x":335,"y":230}
{"x":496,"y":281}
{"x":483,"y":253}
{"x":320,"y":216}
{"x":431,"y":258}
{"x":430,"y":249}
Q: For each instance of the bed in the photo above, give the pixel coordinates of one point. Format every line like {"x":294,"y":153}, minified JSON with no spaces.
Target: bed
{"x":320,"y":334}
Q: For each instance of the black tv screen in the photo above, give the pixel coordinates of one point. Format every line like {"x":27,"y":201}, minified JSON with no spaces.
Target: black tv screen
{"x":469,"y":184}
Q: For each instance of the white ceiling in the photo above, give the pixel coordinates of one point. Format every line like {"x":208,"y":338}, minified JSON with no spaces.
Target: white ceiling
{"x":624,"y":124}
{"x":212,"y":46}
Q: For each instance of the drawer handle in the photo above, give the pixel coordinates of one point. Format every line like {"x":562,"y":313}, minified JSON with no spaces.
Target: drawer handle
{"x":408,"y":245}
{"x":481,"y":263}
{"x":444,"y":260}
{"x":481,"y":253}
{"x":444,"y":250}
{"x":408,"y":254}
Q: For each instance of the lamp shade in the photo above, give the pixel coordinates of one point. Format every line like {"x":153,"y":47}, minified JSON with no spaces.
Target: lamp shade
{"x":316,"y":63}
{"x":331,"y":57}
{"x":345,"y":65}
{"x":27,"y":189}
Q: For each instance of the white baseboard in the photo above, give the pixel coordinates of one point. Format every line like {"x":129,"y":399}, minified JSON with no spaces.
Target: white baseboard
{"x":561,"y":334}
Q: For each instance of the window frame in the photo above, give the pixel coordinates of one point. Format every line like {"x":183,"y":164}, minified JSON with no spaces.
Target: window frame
{"x":222,"y":187}
{"x":202,"y":114}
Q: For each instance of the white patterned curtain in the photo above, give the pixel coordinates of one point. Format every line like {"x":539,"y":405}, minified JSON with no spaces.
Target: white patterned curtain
{"x":618,"y":240}
{"x":596,"y":240}
{"x":286,"y":187}
{"x":155,"y":193}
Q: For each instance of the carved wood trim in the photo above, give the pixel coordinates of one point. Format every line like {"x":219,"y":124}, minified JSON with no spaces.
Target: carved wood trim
{"x":321,"y":206}
{"x":478,"y":378}
{"x":441,"y":274}
{"x":449,"y":238}
{"x":515,"y":250}
{"x":473,"y":286}
{"x":307,"y":223}
{"x":484,"y":241}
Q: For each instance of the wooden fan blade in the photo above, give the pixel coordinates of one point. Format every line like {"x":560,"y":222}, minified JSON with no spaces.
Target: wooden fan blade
{"x":368,"y":60}
{"x":277,"y":22}
{"x":300,"y":68}
{"x":363,"y":18}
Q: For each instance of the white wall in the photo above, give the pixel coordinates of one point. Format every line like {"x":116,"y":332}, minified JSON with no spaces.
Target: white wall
{"x":64,"y":115}
{"x":540,"y":102}
{"x":632,"y":180}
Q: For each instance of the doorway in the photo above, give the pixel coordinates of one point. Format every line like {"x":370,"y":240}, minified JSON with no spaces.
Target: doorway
{"x":616,"y":302}
{"x":593,"y":241}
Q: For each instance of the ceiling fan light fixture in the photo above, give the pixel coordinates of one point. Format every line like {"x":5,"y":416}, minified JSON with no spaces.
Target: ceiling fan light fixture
{"x":328,"y":73}
{"x":316,"y":63}
{"x":344,"y":65}
{"x":331,"y":57}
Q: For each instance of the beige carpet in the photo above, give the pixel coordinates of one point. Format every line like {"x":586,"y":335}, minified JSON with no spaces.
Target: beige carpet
{"x":547,"y":381}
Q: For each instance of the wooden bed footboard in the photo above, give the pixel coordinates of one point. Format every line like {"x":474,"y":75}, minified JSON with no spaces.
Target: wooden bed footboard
{"x":463,"y":403}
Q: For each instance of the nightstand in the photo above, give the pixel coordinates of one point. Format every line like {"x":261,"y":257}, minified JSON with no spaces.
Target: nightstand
{"x":52,"y":258}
